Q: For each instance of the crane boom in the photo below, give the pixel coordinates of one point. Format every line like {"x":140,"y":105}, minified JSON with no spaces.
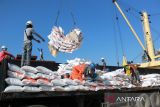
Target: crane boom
{"x":130,"y":26}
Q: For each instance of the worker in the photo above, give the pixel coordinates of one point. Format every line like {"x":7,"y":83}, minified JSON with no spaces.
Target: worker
{"x":104,"y":64}
{"x":83,"y":72}
{"x":28,"y":37}
{"x":133,"y":73}
{"x":4,"y":54}
{"x":41,"y":54}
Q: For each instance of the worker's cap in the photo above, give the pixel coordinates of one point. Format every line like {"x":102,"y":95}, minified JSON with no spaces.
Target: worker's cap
{"x":29,"y":22}
{"x":102,"y":59}
{"x":3,"y":47}
{"x":93,"y":66}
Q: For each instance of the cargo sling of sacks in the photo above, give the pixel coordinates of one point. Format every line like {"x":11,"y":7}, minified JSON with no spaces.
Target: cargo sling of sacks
{"x":59,"y":42}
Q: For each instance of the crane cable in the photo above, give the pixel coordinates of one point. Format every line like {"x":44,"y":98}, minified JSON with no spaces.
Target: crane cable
{"x":155,"y":31}
{"x":74,"y":20}
{"x":130,"y":10}
{"x":71,"y":13}
{"x":56,"y":21}
{"x":119,"y":32}
{"x":129,"y":7}
{"x":155,"y":14}
{"x":115,"y":39}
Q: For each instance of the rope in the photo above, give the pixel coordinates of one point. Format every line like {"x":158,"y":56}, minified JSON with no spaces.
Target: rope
{"x":155,"y":14}
{"x":134,"y":15}
{"x":56,"y":21}
{"x":130,"y":9}
{"x":71,"y":13}
{"x":119,"y":32}
{"x":129,"y":6}
{"x":73,"y":18}
{"x":58,"y":12}
{"x":157,"y":32}
{"x":136,"y":57}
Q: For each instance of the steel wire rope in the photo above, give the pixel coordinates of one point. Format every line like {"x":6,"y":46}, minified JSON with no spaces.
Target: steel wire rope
{"x":115,"y":36}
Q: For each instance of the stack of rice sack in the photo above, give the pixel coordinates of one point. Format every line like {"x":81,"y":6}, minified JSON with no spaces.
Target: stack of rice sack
{"x":116,"y":79}
{"x":150,"y":80}
{"x":29,"y":79}
{"x":67,"y":68}
{"x":59,"y":42}
{"x":36,"y":79}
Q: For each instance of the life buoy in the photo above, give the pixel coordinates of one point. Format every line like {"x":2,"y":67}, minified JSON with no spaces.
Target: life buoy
{"x":145,"y":102}
{"x":155,"y":99}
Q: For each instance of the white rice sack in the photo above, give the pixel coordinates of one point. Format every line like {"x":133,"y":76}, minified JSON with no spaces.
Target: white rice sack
{"x":78,"y":82}
{"x":100,"y":88}
{"x":18,"y":75}
{"x":147,"y":83}
{"x":30,"y":75}
{"x":15,"y":68}
{"x":111,"y":75}
{"x":31,"y":89}
{"x":116,"y":83}
{"x":44,"y":82}
{"x":71,"y":88}
{"x":44,"y":70}
{"x":150,"y":76}
{"x":68,"y":67}
{"x":45,"y":88}
{"x":75,"y":88}
{"x":106,"y":82}
{"x":130,"y":86}
{"x":69,"y":81}
{"x":29,"y":69}
{"x":92,"y":88}
{"x":150,"y":79}
{"x":14,"y":81}
{"x":67,"y":89}
{"x":13,"y":89}
{"x":49,"y":77}
{"x":55,"y":73}
{"x":58,"y":88}
{"x":81,"y":87}
{"x":87,"y":83}
{"x":58,"y":82}
{"x":30,"y":82}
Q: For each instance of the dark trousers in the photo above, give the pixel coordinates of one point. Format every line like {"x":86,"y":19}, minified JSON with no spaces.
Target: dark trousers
{"x":3,"y":74}
{"x":26,"y":57}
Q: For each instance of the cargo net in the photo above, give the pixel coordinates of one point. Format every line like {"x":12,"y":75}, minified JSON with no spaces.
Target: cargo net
{"x":59,"y":42}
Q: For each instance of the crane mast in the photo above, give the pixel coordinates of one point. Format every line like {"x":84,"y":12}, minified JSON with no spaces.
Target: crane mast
{"x":147,"y":35}
{"x":149,"y":50}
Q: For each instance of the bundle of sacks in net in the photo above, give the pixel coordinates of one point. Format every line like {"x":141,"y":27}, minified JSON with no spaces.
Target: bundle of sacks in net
{"x":58,"y":41}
